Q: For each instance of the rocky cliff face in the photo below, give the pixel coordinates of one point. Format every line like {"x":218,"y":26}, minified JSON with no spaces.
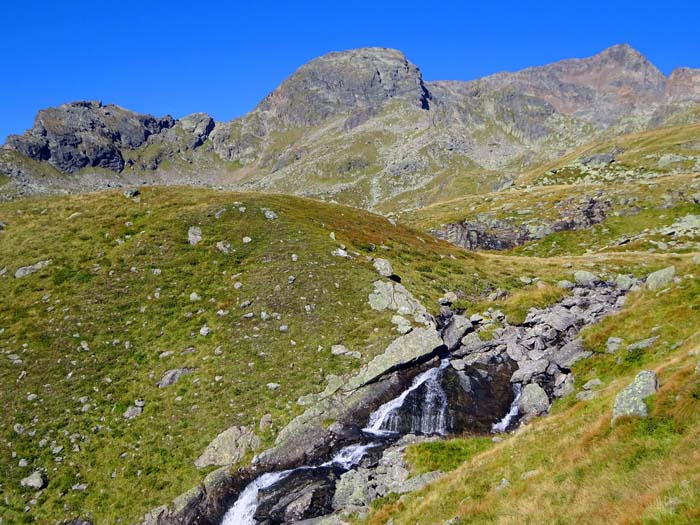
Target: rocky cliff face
{"x":86,"y":134}
{"x":363,"y":127}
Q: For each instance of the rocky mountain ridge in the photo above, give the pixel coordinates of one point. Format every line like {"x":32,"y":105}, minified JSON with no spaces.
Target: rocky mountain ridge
{"x":361,"y":127}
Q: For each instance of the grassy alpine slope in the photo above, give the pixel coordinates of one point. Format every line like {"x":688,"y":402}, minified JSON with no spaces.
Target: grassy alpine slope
{"x":573,"y":466}
{"x":87,"y":336}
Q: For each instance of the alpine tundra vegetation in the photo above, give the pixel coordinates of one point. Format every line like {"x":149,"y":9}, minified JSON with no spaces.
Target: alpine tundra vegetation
{"x":373,"y":299}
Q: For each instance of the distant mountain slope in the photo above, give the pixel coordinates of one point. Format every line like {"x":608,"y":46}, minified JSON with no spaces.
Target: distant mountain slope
{"x":361,"y":127}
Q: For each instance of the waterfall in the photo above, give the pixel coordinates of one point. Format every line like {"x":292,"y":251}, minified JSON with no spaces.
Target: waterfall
{"x":242,"y":512}
{"x":504,"y":423}
{"x":432,"y":416}
{"x":350,"y":456}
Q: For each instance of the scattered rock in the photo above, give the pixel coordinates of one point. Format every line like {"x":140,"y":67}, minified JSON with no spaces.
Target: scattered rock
{"x":194,"y":235}
{"x":630,"y":401}
{"x":265,"y":422}
{"x":270,"y":215}
{"x":223,"y":247}
{"x":28,"y":270}
{"x":247,"y":240}
{"x":383,"y":267}
{"x":204,"y":331}
{"x":660,"y":278}
{"x":228,"y":447}
{"x":172,"y":376}
{"x":612,"y":345}
{"x":133,"y":412}
{"x":643,"y":344}
{"x":36,"y":480}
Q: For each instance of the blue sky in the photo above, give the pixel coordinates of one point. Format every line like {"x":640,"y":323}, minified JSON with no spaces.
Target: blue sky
{"x":222,"y":57}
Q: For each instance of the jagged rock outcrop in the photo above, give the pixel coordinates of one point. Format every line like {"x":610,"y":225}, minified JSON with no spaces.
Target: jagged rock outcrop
{"x":86,"y":134}
{"x":498,"y":234}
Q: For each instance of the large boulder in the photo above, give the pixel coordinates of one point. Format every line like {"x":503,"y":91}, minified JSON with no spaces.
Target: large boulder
{"x":229,"y":447}
{"x":660,"y":278}
{"x":533,"y":402}
{"x":417,"y":345}
{"x":453,"y":333}
{"x":630,"y":401}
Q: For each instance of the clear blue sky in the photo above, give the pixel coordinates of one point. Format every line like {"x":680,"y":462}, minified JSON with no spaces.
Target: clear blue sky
{"x":180,"y":57}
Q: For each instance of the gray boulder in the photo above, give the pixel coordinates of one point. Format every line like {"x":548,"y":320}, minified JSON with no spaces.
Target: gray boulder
{"x":194,"y":235}
{"x":528,"y":369}
{"x":172,"y":376}
{"x":625,"y":282}
{"x":36,"y":480}
{"x":418,"y":344}
{"x":33,"y":268}
{"x":660,"y":278}
{"x":568,"y":354}
{"x":454,"y":332}
{"x":228,"y":448}
{"x":585,"y":278}
{"x":630,"y":401}
{"x":383,"y":267}
{"x":533,"y":402}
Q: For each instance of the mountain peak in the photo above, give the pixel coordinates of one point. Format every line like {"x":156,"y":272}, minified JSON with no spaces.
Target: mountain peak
{"x":344,"y":81}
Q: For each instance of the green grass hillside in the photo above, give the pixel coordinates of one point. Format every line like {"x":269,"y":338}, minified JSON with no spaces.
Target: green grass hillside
{"x":573,"y":466}
{"x":91,"y":333}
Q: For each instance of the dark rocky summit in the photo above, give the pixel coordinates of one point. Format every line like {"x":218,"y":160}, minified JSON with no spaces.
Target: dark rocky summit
{"x":86,"y":134}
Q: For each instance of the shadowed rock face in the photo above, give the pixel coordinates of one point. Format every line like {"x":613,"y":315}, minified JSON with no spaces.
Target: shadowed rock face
{"x":461,"y":401}
{"x":303,"y":494}
{"x":86,"y":134}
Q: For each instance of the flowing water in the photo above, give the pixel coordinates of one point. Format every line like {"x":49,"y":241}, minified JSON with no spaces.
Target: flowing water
{"x":432,"y":416}
{"x":244,"y":509}
{"x":504,"y":423}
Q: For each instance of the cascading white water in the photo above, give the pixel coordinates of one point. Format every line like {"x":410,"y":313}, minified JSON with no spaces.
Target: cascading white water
{"x":242,"y":512}
{"x":350,"y":456}
{"x":431,"y":420}
{"x":504,"y":423}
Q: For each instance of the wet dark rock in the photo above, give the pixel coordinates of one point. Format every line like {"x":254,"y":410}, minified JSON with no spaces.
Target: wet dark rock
{"x":305,"y":493}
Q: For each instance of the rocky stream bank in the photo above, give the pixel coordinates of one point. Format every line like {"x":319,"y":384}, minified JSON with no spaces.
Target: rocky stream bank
{"x":438,"y":378}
